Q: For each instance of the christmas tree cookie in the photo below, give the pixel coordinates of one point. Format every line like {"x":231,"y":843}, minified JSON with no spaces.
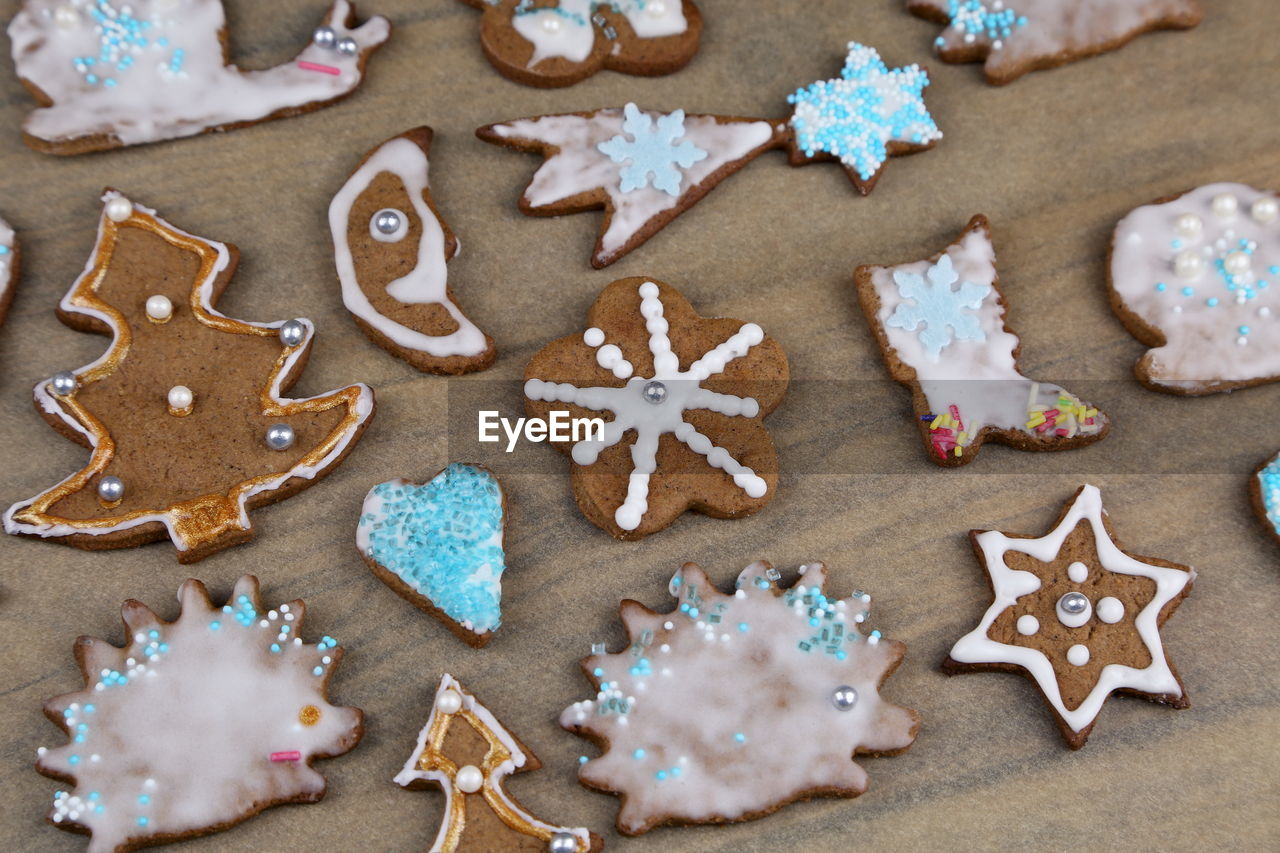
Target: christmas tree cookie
{"x":732,"y":706}
{"x":1078,"y":615}
{"x":941,"y":328}
{"x":439,"y":546}
{"x":197,"y":724}
{"x":111,"y":73}
{"x":1012,"y":37}
{"x":184,"y":414}
{"x":466,"y":752}
{"x":646,"y":167}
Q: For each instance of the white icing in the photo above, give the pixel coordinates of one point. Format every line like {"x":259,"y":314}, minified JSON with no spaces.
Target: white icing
{"x":1202,"y":348}
{"x":185,"y":743}
{"x":151,"y":100}
{"x":578,"y":167}
{"x":1078,"y":572}
{"x":1078,"y":655}
{"x":427,"y":283}
{"x":651,"y":421}
{"x":1028,"y":625}
{"x":565,"y":30}
{"x":446,"y":699}
{"x":1110,"y":610}
{"x":49,"y":402}
{"x":1010,"y":585}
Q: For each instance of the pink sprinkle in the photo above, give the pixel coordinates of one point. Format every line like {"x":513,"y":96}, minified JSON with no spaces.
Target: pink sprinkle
{"x":323,"y":69}
{"x":292,"y":755}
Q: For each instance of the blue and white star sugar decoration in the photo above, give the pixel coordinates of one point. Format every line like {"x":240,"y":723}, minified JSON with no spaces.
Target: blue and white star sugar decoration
{"x":865,"y":117}
{"x":652,"y":151}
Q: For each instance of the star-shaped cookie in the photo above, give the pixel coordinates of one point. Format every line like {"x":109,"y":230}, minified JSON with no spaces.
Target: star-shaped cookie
{"x":1078,"y":615}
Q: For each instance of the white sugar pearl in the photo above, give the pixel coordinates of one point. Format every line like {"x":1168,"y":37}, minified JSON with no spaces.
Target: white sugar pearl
{"x":159,"y":307}
{"x":656,"y":8}
{"x":551,"y":22}
{"x":1264,"y":312}
{"x":1188,"y":264}
{"x":119,"y":209}
{"x":449,"y":702}
{"x":1225,"y":205}
{"x":1028,"y":625}
{"x":1110,"y":610}
{"x":1078,"y":655}
{"x":593,"y":337}
{"x":1237,"y":263}
{"x":1078,"y":572}
{"x":66,"y":16}
{"x":469,"y":779}
{"x":1189,"y":225}
{"x":180,"y":398}
{"x":1265,"y":210}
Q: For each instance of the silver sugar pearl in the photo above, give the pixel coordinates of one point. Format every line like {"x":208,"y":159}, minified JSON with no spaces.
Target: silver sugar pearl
{"x":325,"y":37}
{"x":111,"y":489}
{"x":292,"y":333}
{"x":280,"y":436}
{"x":563,"y":842}
{"x":348,"y":47}
{"x":387,"y":221}
{"x":655,"y":392}
{"x":1073,"y":603}
{"x":844,"y":697}
{"x":64,"y":382}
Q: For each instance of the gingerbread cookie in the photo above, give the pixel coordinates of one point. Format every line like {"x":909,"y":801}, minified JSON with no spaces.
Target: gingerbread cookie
{"x":1264,"y":488}
{"x":10,"y":262}
{"x":466,"y":751}
{"x":1012,"y":37}
{"x":390,"y":247}
{"x":550,"y":43}
{"x":676,"y":438}
{"x":1078,"y":615}
{"x":439,"y":546}
{"x":941,"y":328}
{"x":688,"y":741}
{"x":184,"y":413}
{"x":196,"y":724}
{"x":110,"y":73}
{"x":1197,"y":278}
{"x":644,"y":167}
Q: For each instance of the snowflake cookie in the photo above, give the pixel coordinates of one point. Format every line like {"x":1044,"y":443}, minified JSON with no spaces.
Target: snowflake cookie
{"x":941,"y":328}
{"x":10,"y":260}
{"x":111,"y":73}
{"x":687,"y":741}
{"x":561,"y":42}
{"x":439,"y":546}
{"x":391,"y":247}
{"x":196,"y":724}
{"x":185,"y":414}
{"x":1196,"y":277}
{"x":1013,"y":37}
{"x":669,"y":438}
{"x":1264,"y":488}
{"x":469,"y":754}
{"x":645,"y":167}
{"x":1078,"y":615}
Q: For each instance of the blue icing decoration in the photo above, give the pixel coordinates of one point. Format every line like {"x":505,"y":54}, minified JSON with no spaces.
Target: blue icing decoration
{"x":652,"y":151}
{"x":443,"y":539}
{"x":854,"y":118}
{"x":1269,"y":487}
{"x":938,"y":307}
{"x":974,"y":17}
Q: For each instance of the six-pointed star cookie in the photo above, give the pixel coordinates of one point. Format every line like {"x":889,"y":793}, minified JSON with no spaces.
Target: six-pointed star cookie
{"x":1078,"y":615}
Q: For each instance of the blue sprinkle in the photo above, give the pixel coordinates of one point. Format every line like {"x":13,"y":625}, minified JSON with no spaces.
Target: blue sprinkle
{"x":1162,"y":287}
{"x":740,"y":737}
{"x":638,"y":754}
{"x":318,"y":671}
{"x":75,"y":759}
{"x":743,"y":627}
{"x":142,"y":821}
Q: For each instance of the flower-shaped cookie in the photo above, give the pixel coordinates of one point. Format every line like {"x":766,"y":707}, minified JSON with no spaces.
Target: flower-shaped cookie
{"x":681,"y":399}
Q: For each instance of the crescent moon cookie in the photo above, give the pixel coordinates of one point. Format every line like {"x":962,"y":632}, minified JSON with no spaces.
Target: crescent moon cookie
{"x":1196,"y":277}
{"x":185,"y":413}
{"x":732,"y":706}
{"x":941,"y":328}
{"x":1078,"y":615}
{"x":678,"y":401}
{"x":391,"y":247}
{"x":465,"y":751}
{"x":1264,"y":488}
{"x":551,"y":43}
{"x":111,"y":73}
{"x":439,"y":546}
{"x":10,"y":263}
{"x":1012,"y":37}
{"x":195,"y":725}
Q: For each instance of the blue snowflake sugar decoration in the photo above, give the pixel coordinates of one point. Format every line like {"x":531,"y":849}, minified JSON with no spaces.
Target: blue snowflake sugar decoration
{"x":938,"y":307}
{"x":652,"y":151}
{"x":854,"y":118}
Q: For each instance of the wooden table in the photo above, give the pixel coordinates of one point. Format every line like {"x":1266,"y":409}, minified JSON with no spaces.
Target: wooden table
{"x":1054,"y":159}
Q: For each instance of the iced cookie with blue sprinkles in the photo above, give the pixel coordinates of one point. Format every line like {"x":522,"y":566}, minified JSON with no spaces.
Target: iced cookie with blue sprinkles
{"x":439,"y":546}
{"x":1264,"y":488}
{"x":733,"y":706}
{"x":1013,"y":37}
{"x":10,"y":259}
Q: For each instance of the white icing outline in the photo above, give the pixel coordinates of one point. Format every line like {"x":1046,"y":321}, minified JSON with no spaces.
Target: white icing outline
{"x":575,"y":42}
{"x":1010,"y":585}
